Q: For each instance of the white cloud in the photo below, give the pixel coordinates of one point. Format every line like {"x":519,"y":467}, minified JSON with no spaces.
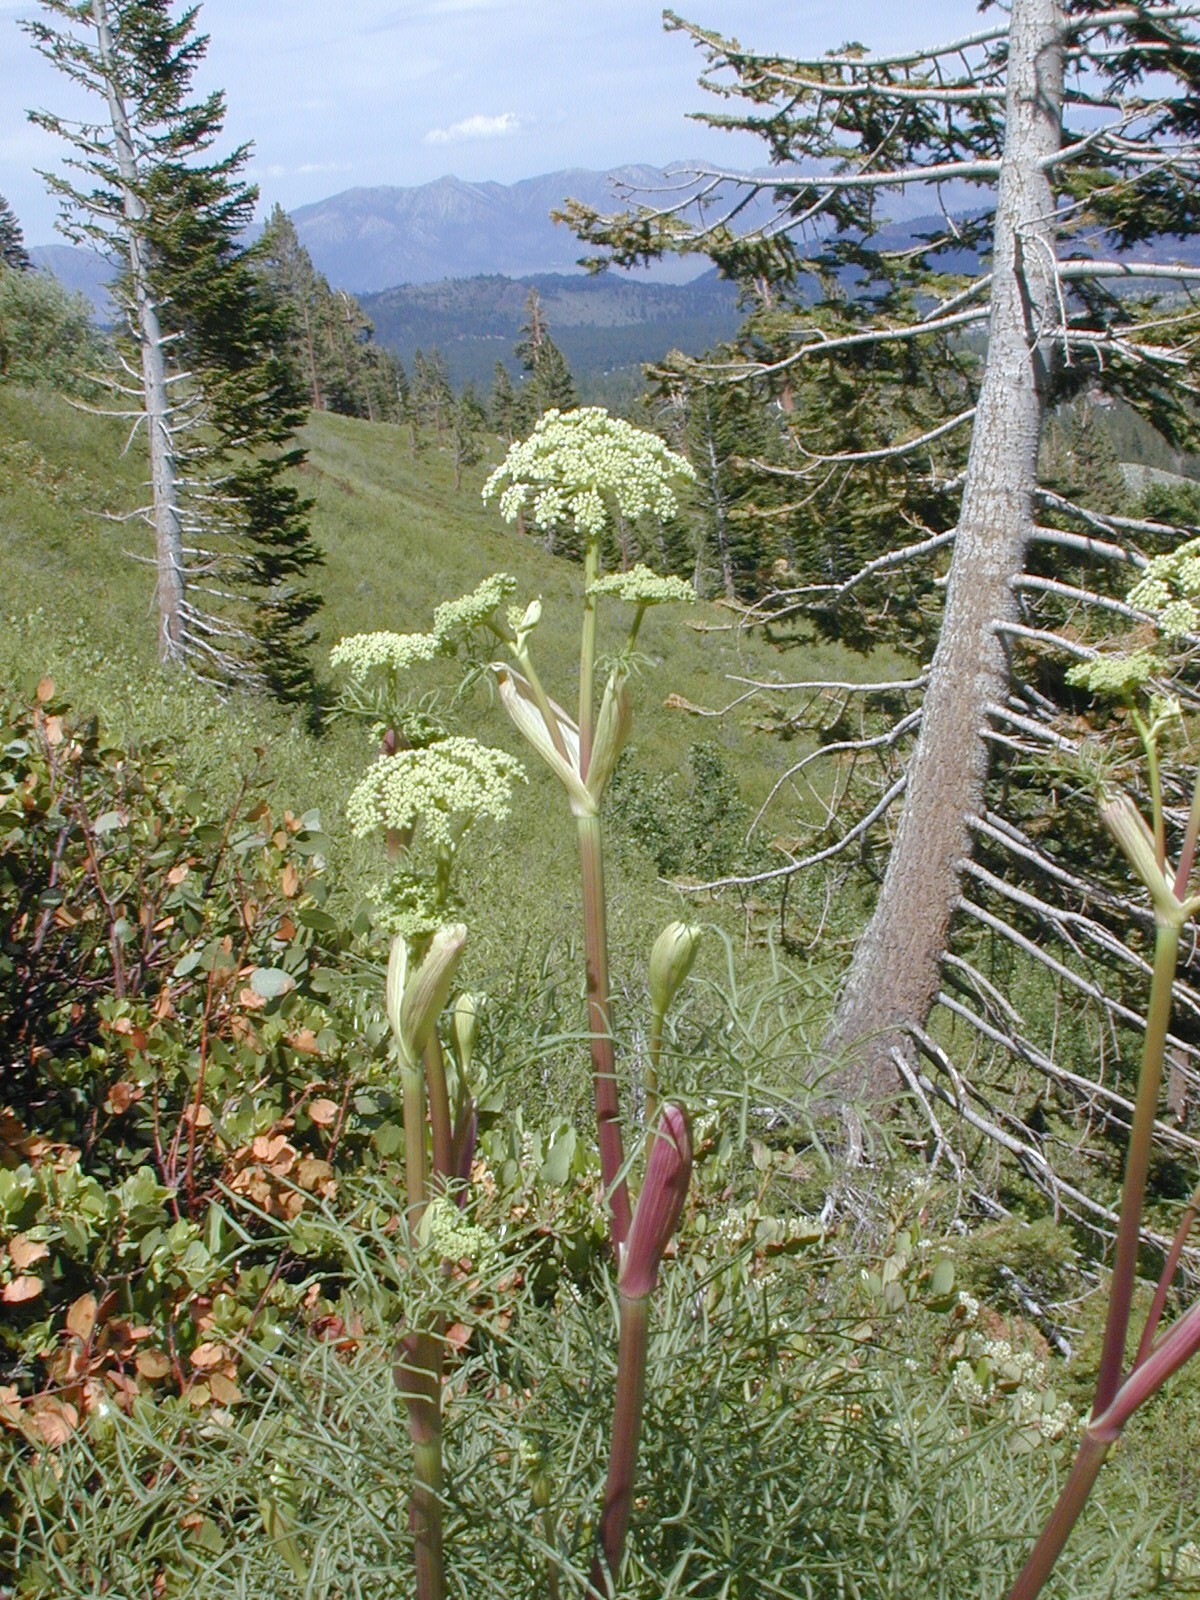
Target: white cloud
{"x":476,"y":127}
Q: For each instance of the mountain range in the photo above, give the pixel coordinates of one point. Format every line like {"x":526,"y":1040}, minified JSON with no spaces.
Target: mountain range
{"x":366,"y":240}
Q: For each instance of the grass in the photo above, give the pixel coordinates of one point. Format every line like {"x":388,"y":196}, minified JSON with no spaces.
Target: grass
{"x":915,"y":1503}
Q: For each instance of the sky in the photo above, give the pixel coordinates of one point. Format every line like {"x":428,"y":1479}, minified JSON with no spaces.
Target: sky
{"x":338,"y":94}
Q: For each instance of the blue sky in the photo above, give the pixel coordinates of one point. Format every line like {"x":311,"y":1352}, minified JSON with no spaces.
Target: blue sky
{"x":364,"y":92}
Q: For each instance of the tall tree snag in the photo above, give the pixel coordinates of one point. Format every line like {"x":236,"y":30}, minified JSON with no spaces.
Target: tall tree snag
{"x":896,"y":971}
{"x":1057,"y":151}
{"x":164,"y":474}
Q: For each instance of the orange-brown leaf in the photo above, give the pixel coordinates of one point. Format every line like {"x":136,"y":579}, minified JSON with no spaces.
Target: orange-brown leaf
{"x":322,"y":1112}
{"x":224,"y":1391}
{"x":25,"y":1251}
{"x":21,"y":1289}
{"x":81,"y":1318}
{"x":54,"y":1420}
{"x":152,"y":1364}
{"x":207,"y":1356}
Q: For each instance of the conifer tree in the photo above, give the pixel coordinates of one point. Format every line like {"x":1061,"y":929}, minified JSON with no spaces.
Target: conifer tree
{"x":12,"y":242}
{"x":502,"y":402}
{"x":1074,"y":124}
{"x":212,"y":386}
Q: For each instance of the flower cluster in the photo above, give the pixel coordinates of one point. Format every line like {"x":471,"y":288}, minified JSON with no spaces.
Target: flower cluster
{"x":640,"y":586}
{"x":453,"y":618}
{"x":1117,"y":675}
{"x":1169,"y":590}
{"x":450,"y":1236}
{"x":448,"y":786}
{"x":993,"y":1373}
{"x":361,"y":653}
{"x":578,"y":463}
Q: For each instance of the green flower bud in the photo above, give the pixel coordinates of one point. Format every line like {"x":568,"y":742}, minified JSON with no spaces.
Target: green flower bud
{"x":464,"y":1025}
{"x":670,"y":962}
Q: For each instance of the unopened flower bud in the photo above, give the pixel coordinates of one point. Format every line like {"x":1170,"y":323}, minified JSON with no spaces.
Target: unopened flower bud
{"x":464,"y":1025}
{"x":660,"y":1204}
{"x":528,"y":622}
{"x":670,"y":962}
{"x":427,"y":991}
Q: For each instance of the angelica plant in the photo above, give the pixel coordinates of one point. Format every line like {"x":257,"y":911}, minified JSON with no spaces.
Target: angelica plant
{"x":588,"y":467}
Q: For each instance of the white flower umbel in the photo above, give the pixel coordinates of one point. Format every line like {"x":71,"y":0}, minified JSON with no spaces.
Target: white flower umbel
{"x":455,"y":618}
{"x":642,"y":587}
{"x":446,"y":786}
{"x":579,"y":463}
{"x":362,"y":653}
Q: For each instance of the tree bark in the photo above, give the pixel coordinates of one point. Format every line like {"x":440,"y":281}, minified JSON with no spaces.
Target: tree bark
{"x":894,"y":975}
{"x":164,"y":473}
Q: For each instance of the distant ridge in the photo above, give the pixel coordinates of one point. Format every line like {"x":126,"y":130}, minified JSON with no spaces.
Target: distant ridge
{"x":366,"y":240}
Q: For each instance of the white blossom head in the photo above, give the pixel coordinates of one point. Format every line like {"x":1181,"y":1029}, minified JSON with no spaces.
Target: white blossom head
{"x":363,"y":653}
{"x":582,"y":463}
{"x":1117,"y":675}
{"x":455,"y":618}
{"x":642,"y":587}
{"x":446,"y":787}
{"x":1169,"y":589}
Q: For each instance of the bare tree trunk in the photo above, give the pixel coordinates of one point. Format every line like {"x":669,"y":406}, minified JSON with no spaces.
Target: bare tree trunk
{"x":895,"y":972}
{"x":164,"y":473}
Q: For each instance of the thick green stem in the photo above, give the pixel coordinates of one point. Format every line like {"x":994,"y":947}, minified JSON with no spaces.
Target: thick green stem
{"x":626,"y":1432}
{"x":1094,"y":1448}
{"x":656,"y":1039}
{"x":416,"y":1174}
{"x":420,"y":1378}
{"x":587,"y":658}
{"x":1137,"y":1164}
{"x":604,"y":1062}
{"x":1063,"y":1518}
{"x":439,"y":1108}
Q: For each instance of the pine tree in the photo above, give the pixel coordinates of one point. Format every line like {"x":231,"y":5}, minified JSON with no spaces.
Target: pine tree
{"x":287,"y":267}
{"x":215,"y":392}
{"x":12,"y":242}
{"x":468,"y":419}
{"x":553,"y":384}
{"x":502,"y":404}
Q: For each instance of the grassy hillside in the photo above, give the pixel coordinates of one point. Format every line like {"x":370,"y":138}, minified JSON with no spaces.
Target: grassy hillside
{"x":398,"y":540}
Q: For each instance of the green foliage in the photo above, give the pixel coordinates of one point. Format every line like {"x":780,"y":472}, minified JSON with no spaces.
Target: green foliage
{"x":47,"y":335}
{"x":329,"y":343}
{"x":694,"y":826}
